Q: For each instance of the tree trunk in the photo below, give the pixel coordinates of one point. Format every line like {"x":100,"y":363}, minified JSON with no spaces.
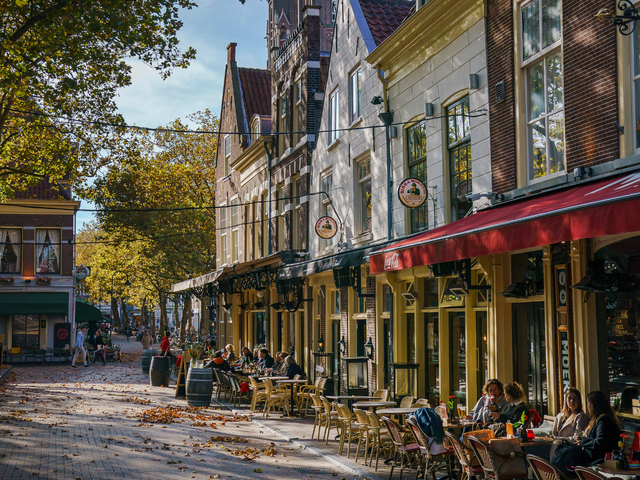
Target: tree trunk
{"x":176,"y":317}
{"x":152,"y":318}
{"x":125,"y":314}
{"x":204,"y":316}
{"x":186,"y":313}
{"x":114,"y":309}
{"x":143,"y":312}
{"x":164,"y":321}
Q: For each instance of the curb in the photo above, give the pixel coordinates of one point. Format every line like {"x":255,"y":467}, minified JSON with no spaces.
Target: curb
{"x":5,"y":372}
{"x":336,"y":460}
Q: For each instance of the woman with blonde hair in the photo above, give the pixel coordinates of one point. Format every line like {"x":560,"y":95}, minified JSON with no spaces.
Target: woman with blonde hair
{"x":231,"y":353}
{"x":572,"y":419}
{"x":516,"y":406}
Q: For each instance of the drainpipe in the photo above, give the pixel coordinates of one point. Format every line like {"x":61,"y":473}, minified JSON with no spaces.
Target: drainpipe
{"x":387,"y":119}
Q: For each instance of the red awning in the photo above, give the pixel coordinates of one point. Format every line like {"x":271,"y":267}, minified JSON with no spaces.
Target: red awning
{"x":606,"y":207}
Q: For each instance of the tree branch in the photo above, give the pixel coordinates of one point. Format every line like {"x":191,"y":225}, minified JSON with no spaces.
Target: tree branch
{"x":37,"y":18}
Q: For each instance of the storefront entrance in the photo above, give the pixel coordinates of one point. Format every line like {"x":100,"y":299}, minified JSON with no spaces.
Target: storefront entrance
{"x":432,"y":358}
{"x":458,"y":356}
{"x":530,"y":357}
{"x":261,"y":332}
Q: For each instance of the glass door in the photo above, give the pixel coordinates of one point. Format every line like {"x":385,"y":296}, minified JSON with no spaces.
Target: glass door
{"x":261,"y":329}
{"x":529,"y":353}
{"x":432,"y":358}
{"x":335,"y":338}
{"x":387,"y":335}
{"x":458,"y":355}
{"x":483,"y":354}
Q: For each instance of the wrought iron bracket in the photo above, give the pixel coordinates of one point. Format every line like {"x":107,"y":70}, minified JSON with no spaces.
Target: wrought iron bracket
{"x":626,"y":22}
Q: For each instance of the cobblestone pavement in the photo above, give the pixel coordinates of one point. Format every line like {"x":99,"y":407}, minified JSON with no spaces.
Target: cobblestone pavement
{"x":58,"y":422}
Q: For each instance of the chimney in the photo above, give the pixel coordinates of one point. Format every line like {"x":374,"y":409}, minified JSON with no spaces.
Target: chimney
{"x":231,"y":52}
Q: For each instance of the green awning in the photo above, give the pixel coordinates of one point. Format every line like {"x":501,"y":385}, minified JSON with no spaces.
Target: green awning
{"x":87,"y":313}
{"x":36,"y":303}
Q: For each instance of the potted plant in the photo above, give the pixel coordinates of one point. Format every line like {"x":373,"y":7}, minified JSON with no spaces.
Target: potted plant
{"x":6,"y":279}
{"x":195,"y":351}
{"x":43,"y":280}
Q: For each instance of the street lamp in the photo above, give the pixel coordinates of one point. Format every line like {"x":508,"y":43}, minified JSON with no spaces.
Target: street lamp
{"x":341,"y":345}
{"x":368,"y":348}
{"x":321,"y":344}
{"x":629,"y":14}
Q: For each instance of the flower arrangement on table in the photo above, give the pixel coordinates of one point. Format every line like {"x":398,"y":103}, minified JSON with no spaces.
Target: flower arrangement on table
{"x":450,"y":407}
{"x":195,"y":351}
{"x":6,"y":279}
{"x":43,"y":280}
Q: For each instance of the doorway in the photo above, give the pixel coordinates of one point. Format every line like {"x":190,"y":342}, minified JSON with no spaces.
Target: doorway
{"x":530,"y":353}
{"x":335,"y":338}
{"x":483,"y":354}
{"x":432,"y":358}
{"x":387,"y":336}
{"x":361,"y":337}
{"x":458,"y":355}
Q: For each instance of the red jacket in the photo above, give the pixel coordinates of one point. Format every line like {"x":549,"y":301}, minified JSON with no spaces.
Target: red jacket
{"x":165,"y":345}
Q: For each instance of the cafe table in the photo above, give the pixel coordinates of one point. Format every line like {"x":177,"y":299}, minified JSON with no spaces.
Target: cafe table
{"x":457,"y":425}
{"x":351,"y":398}
{"x":402,"y":411}
{"x":617,"y":472}
{"x":292,"y":383}
{"x":275,"y":379}
{"x":372,"y":405}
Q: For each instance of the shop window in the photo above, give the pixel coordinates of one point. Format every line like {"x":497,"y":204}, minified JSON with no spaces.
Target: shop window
{"x":10,"y":250}
{"x":26,"y":331}
{"x":432,"y":357}
{"x":458,"y":355}
{"x":47,"y":250}
{"x":542,"y":64}
{"x":411,"y":337}
{"x":335,"y":302}
{"x":409,"y":295}
{"x":387,"y":299}
{"x":430,"y":292}
{"x":417,"y":163}
{"x":363,"y":195}
{"x":449,"y":298}
{"x":459,"y":148}
{"x":526,"y":273}
{"x":360,"y":304}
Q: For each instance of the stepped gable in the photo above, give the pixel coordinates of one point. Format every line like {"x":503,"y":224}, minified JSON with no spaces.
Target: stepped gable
{"x":385,"y":16}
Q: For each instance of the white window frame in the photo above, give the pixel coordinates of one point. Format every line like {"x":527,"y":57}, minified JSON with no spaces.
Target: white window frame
{"x":59,"y":230}
{"x":222,"y":225}
{"x":280,"y":208}
{"x":282,"y":121}
{"x":526,"y":65}
{"x":295,"y":202}
{"x":360,"y":213}
{"x":297,"y":110}
{"x":355,"y":95}
{"x":235,"y":233}
{"x":334,"y":116}
{"x":227,"y":155}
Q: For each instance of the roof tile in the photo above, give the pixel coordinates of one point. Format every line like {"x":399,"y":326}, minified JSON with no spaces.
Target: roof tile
{"x":256,"y":91}
{"x":385,"y":16}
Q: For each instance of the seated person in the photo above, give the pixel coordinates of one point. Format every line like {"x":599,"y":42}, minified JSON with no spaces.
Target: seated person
{"x":230,"y":353}
{"x":266,"y":360}
{"x":247,"y":356}
{"x":279,"y":365}
{"x":293,"y":368}
{"x":218,"y":362}
{"x":516,"y":406}
{"x":572,"y":419}
{"x":492,"y":400}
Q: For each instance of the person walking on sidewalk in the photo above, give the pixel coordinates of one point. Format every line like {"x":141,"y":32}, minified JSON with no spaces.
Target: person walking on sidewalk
{"x":80,"y":347}
{"x":146,"y":340}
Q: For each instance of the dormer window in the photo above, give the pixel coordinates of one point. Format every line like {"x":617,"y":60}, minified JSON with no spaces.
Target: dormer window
{"x":283,"y":36}
{"x":255,"y":129}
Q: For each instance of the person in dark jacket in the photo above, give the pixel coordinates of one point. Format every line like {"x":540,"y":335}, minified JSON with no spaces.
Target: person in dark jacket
{"x":293,"y":368}
{"x":266,"y":360}
{"x":516,"y":406}
{"x":603,"y":431}
{"x":247,"y":356}
{"x":218,"y":362}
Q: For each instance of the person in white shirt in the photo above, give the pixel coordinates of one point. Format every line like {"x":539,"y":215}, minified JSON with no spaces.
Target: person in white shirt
{"x":80,"y":347}
{"x":491,"y":401}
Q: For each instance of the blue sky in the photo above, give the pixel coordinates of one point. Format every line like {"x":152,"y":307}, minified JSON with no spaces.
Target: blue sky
{"x":150,"y":101}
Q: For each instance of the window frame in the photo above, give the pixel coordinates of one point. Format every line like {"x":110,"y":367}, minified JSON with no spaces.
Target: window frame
{"x":20,"y":257}
{"x":282,"y":121}
{"x":235,"y":230}
{"x":296,"y":217}
{"x":355,"y":95}
{"x":334,"y":116}
{"x":424,"y":209}
{"x":360,"y":182}
{"x":222,"y":225}
{"x":456,"y":146}
{"x":297,"y":110}
{"x":227,"y":155}
{"x":58,"y":229}
{"x":281,"y":193}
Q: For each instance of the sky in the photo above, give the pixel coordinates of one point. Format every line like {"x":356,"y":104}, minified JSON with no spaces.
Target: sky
{"x":149,"y":101}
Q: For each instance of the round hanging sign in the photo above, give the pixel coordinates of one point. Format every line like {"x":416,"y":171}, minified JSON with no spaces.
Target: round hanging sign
{"x":412,"y":193}
{"x":81,"y":272}
{"x":326,"y":228}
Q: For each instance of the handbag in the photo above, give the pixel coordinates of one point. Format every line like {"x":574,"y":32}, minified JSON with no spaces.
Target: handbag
{"x":566,"y":457}
{"x":508,"y":464}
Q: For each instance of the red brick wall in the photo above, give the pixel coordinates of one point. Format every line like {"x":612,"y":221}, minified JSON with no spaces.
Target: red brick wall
{"x":501,"y":115}
{"x":590,"y":80}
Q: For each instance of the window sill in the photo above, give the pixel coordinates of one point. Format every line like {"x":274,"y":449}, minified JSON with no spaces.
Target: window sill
{"x":333,"y":144}
{"x":356,"y":122}
{"x":362,"y":238}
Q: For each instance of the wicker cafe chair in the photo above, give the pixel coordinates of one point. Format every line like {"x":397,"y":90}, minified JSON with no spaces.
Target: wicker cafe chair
{"x":317,"y":410}
{"x":382,"y":395}
{"x":432,"y":460}
{"x":380,"y":439}
{"x":275,"y":399}
{"x":543,"y":470}
{"x":492,"y":462}
{"x":330,"y":418}
{"x":303,"y":399}
{"x":364,"y":433}
{"x":589,"y":474}
{"x":406,"y":402}
{"x":236,"y":391}
{"x":258,"y":393}
{"x":348,"y":428}
{"x":402,"y":451}
{"x":465,"y":457}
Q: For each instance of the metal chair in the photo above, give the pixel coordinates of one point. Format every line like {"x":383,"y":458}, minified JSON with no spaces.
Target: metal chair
{"x":493,"y":463}
{"x":236,"y":391}
{"x":432,"y":456}
{"x":543,"y":470}
{"x":465,"y":457}
{"x":402,"y":452}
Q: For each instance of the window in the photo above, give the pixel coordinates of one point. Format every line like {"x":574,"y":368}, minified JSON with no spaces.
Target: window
{"x":636,"y":82}
{"x":235,"y":221}
{"x":295,"y":232}
{"x":255,"y":130}
{"x":459,"y":145}
{"x":10,"y":250}
{"x":222,"y":226}
{"x":327,"y":207}
{"x":417,"y":161}
{"x":334,"y":306}
{"x":26,"y":331}
{"x":542,"y":60}
{"x":334,"y":117}
{"x":283,"y":123}
{"x":364,"y":195}
{"x":281,"y":218}
{"x":297,"y":112}
{"x":227,"y":155}
{"x":248,"y":233}
{"x":355,"y":95}
{"x":255,"y":227}
{"x":47,"y":250}
{"x":265,"y":226}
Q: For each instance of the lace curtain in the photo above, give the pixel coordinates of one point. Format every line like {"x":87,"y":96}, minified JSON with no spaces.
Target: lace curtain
{"x":16,"y":244}
{"x":48,"y":250}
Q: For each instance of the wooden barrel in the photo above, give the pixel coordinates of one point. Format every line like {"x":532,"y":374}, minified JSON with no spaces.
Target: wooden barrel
{"x":199,"y":387}
{"x":146,"y":360}
{"x":160,"y":371}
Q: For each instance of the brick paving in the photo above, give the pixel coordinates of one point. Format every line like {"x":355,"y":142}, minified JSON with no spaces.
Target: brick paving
{"x":58,"y":422}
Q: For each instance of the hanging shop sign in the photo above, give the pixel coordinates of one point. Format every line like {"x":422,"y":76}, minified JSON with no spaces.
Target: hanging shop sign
{"x":564,"y":344}
{"x":412,"y":193}
{"x":81,"y":272}
{"x":326,"y":227}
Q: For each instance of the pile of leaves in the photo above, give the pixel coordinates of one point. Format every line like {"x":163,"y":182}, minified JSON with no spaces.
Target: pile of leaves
{"x":138,"y":400}
{"x":159,"y":415}
{"x":227,"y":438}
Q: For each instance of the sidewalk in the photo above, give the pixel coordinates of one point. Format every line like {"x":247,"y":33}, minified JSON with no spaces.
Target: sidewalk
{"x":298,"y":431}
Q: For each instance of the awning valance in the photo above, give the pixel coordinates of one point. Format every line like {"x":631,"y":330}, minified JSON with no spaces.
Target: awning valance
{"x":349,"y":258}
{"x":607,"y":207}
{"x":36,"y":303}
{"x":87,"y":313}
{"x":197,"y":282}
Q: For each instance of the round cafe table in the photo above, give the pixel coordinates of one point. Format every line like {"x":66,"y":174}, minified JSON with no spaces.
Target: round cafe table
{"x":349,"y":399}
{"x":374,"y":404}
{"x":292,"y":383}
{"x":275,"y":379}
{"x":396,"y":411}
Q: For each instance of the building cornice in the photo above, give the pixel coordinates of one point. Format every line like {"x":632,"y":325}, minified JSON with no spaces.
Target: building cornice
{"x":253,"y":153}
{"x":39,"y":207}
